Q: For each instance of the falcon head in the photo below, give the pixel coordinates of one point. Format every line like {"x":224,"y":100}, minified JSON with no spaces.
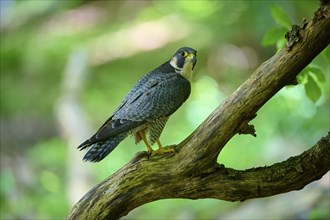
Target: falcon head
{"x":184,"y":61}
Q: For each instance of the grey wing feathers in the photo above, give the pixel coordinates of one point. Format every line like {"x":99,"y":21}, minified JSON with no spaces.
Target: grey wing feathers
{"x":160,"y":96}
{"x":133,"y":92}
{"x":109,"y":129}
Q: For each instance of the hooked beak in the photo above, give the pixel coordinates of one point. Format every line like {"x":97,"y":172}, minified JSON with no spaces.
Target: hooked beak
{"x":192,"y":58}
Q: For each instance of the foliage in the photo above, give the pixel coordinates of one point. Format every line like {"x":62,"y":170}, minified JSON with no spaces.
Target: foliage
{"x":122,"y":40}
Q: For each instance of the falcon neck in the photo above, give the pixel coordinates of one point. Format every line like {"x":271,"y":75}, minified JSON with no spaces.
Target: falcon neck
{"x":186,"y":71}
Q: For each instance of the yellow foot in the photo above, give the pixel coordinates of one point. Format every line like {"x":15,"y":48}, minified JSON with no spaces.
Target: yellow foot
{"x":164,"y":150}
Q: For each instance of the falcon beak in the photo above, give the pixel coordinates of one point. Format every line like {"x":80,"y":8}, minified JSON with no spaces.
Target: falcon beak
{"x":192,"y":57}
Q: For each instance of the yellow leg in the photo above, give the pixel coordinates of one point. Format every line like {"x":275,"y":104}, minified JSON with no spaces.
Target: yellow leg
{"x":162,"y":150}
{"x":160,"y":146}
{"x":144,"y":138}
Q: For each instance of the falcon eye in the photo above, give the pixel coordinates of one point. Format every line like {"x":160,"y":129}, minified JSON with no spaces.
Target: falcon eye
{"x":183,"y":53}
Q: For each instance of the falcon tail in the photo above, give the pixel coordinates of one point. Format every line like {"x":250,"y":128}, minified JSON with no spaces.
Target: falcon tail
{"x":98,"y":151}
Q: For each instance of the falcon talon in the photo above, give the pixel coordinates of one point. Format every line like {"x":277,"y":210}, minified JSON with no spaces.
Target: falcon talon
{"x":146,"y":108}
{"x":163,"y":151}
{"x":169,"y":149}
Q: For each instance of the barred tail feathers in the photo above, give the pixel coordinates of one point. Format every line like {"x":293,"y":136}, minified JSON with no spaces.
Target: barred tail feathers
{"x":100,"y":150}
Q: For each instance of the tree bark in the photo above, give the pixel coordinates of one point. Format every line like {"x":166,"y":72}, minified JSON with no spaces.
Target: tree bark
{"x":193,"y":172}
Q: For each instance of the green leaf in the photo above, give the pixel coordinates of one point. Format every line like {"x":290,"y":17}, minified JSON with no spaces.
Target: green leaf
{"x":280,"y":17}
{"x":273,"y":35}
{"x":318,"y":73}
{"x":312,"y":89}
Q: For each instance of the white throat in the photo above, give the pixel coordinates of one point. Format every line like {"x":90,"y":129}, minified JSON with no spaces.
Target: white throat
{"x":186,"y":71}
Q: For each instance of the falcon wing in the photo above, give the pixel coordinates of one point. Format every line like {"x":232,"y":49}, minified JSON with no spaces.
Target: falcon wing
{"x":160,"y":96}
{"x":109,"y":129}
{"x":116,"y":125}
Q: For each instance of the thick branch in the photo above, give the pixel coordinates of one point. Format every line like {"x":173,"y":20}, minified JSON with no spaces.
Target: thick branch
{"x":193,"y":171}
{"x":142,"y":181}
{"x":234,"y":114}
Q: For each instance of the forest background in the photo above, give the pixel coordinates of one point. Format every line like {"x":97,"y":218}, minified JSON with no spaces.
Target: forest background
{"x":66,"y":65}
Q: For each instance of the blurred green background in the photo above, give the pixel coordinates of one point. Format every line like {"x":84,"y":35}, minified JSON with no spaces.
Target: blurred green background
{"x":66,"y":65}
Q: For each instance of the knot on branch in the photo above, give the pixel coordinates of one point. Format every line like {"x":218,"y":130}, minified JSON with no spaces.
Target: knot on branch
{"x":322,"y":13}
{"x":246,"y":128}
{"x":294,"y":35}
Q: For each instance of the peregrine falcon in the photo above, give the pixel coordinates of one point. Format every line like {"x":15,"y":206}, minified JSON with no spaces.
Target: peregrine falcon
{"x":146,"y":108}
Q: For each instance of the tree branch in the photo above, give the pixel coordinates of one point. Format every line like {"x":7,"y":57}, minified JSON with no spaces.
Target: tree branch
{"x":193,"y":172}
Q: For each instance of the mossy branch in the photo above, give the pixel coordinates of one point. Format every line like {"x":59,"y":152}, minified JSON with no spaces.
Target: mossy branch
{"x":193,"y":172}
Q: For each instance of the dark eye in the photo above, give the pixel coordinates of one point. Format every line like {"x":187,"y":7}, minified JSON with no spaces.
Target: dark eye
{"x":183,"y":53}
